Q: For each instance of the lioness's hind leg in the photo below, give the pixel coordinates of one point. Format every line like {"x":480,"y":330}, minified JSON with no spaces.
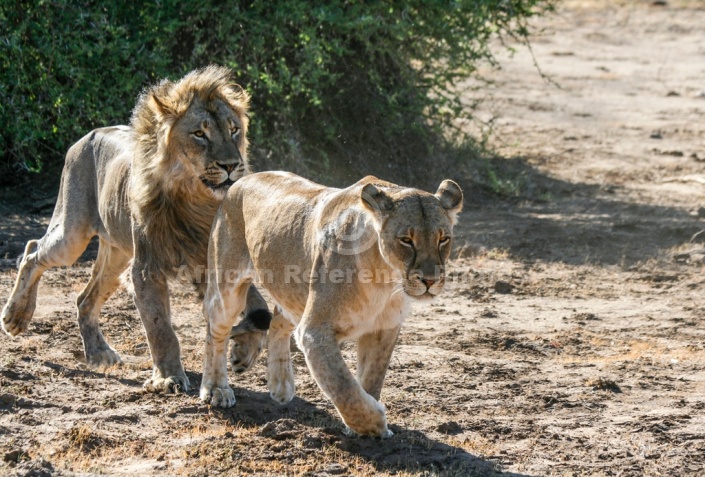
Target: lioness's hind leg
{"x":55,"y":249}
{"x":105,"y":279}
{"x":222,"y":305}
{"x":280,"y":373}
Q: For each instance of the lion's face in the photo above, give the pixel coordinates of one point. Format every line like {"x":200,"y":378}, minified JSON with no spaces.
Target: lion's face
{"x":210,"y":137}
{"x":416,"y":231}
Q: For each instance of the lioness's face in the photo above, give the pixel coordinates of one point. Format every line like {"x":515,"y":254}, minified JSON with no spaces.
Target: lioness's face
{"x":416,"y":239}
{"x":416,"y":231}
{"x":211,"y":137}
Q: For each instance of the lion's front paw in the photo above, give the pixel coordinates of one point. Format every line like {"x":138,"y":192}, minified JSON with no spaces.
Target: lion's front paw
{"x":245,"y":349}
{"x":218,"y":396}
{"x":14,"y":322}
{"x":104,"y":358}
{"x":170,"y":384}
{"x":280,"y":381}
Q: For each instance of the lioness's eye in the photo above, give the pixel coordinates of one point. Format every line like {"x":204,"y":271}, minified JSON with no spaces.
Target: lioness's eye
{"x":199,"y":133}
{"x":406,"y":241}
{"x":444,"y":241}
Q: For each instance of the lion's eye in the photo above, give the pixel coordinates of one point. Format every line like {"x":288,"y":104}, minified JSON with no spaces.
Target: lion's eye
{"x":199,"y":133}
{"x":408,"y":241}
{"x":234,"y":132}
{"x":444,"y":241}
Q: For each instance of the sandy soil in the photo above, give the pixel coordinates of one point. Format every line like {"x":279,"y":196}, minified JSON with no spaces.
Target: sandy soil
{"x":570,"y":342}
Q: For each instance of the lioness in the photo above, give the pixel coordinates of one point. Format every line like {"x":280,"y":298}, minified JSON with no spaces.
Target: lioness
{"x":341,"y":264}
{"x":149,"y":191}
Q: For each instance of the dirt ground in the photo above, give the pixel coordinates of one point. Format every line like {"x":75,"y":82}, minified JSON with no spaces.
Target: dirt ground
{"x":570,"y":342}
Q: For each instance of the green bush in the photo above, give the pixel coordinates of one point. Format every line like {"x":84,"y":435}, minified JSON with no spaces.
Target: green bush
{"x":339,"y":90}
{"x":68,"y":67}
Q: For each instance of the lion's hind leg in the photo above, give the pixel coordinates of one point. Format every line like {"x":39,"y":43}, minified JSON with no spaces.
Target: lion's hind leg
{"x":105,"y":279}
{"x":20,"y":306}
{"x":55,"y":249}
{"x":249,"y":336}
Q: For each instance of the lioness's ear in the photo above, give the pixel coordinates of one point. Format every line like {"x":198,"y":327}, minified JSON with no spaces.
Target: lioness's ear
{"x":375,"y":198}
{"x":451,"y":197}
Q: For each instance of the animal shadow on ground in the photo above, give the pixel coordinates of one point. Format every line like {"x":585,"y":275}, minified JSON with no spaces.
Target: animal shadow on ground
{"x":86,"y":373}
{"x":303,"y":425}
{"x":69,"y":373}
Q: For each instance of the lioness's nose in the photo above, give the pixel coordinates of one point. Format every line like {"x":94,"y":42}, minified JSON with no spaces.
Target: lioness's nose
{"x":428,"y":282}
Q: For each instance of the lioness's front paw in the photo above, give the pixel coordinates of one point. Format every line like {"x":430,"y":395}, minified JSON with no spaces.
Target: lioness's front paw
{"x":218,"y":396}
{"x":282,"y":392}
{"x":280,"y":381}
{"x":171,"y":384}
{"x":371,"y":422}
{"x":350,"y":433}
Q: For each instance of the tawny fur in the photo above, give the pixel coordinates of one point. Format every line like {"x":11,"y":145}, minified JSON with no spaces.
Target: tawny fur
{"x":150,"y":192}
{"x":289,"y":233}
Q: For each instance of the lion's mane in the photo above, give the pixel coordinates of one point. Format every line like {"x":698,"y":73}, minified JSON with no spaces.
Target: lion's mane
{"x":173,"y":209}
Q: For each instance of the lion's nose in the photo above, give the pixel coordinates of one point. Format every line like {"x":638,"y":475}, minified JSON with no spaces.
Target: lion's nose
{"x":428,"y":282}
{"x":228,"y":167}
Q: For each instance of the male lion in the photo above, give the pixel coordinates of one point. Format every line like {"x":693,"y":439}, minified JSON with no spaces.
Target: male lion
{"x":150,"y":192}
{"x":341,"y":265}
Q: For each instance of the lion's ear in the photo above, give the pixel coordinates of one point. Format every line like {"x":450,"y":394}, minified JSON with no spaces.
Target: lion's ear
{"x":160,"y":108}
{"x":451,"y":197}
{"x":375,"y":199}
